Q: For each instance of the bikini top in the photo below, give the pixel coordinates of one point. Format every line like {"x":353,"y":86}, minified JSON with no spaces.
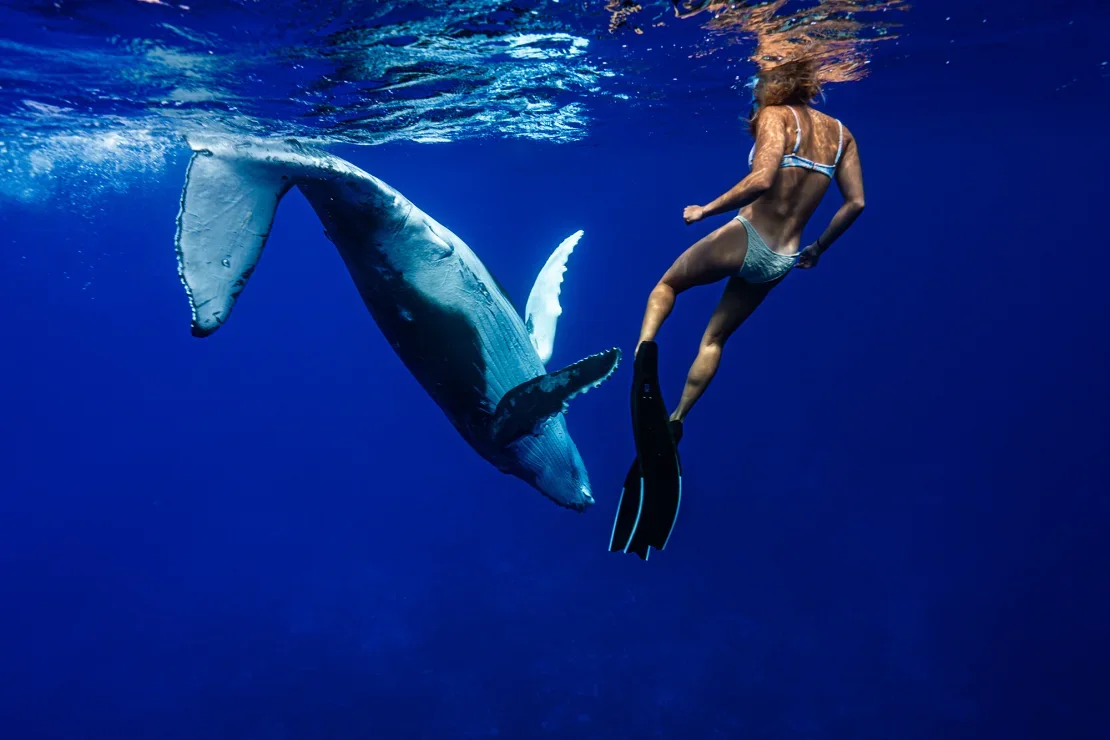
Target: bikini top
{"x":795,"y":160}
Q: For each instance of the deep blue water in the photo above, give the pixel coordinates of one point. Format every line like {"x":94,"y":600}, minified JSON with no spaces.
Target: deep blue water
{"x":896,"y":489}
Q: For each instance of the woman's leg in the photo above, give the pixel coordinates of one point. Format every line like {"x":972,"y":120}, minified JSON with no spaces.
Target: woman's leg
{"x":717,"y":256}
{"x":737,"y":304}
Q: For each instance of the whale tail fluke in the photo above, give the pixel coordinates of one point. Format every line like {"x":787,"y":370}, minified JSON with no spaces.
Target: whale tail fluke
{"x":525,"y":406}
{"x":227,"y":209}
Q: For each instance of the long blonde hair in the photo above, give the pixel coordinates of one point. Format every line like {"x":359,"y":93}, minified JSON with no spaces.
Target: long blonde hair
{"x":791,"y":83}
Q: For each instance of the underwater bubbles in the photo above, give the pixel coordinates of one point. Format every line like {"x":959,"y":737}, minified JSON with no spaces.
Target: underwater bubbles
{"x":69,"y":168}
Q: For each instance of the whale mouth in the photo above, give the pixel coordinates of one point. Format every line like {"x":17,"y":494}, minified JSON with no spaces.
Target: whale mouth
{"x":580,"y":506}
{"x":566,"y":485}
{"x":587,"y":496}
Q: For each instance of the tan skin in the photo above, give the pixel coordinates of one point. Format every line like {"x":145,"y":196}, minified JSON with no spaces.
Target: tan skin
{"x":778,"y":203}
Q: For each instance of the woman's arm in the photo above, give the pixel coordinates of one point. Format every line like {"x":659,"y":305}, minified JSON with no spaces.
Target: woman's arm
{"x":849,"y":178}
{"x":770,"y":143}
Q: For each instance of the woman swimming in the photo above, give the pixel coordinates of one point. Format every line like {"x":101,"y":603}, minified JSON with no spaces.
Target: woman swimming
{"x":798,"y":152}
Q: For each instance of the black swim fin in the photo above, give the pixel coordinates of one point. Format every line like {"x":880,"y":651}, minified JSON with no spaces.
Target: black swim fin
{"x":653,"y":487}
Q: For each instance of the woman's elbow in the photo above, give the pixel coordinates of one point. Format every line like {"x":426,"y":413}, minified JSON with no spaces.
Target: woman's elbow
{"x":760,"y":187}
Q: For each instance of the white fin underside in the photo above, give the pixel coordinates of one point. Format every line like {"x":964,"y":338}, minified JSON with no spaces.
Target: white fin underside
{"x":541,"y":312}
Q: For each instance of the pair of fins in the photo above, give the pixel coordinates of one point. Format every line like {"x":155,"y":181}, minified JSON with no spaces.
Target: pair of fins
{"x":653,"y":488}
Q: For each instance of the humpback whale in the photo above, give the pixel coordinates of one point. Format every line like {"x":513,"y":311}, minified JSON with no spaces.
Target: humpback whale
{"x":437,"y":305}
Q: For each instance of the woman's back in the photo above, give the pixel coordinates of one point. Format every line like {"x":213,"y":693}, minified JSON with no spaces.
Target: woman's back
{"x":814,"y":150}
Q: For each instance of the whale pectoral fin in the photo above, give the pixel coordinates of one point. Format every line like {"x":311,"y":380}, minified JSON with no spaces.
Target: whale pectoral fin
{"x":227,"y":209}
{"x":528,"y":404}
{"x":542,"y":310}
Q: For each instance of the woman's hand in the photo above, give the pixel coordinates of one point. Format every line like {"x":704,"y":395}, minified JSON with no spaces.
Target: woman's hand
{"x":809,"y":257}
{"x":693,"y":214}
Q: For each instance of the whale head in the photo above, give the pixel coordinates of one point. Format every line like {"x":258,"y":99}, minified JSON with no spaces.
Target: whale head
{"x":529,"y":429}
{"x":549,"y":461}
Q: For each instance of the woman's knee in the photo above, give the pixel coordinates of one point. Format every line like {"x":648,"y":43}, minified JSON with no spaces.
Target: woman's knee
{"x":711,"y":349}
{"x":663,"y":291}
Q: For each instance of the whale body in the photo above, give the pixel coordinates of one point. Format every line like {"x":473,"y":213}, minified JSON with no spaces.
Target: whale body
{"x":435,"y":302}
